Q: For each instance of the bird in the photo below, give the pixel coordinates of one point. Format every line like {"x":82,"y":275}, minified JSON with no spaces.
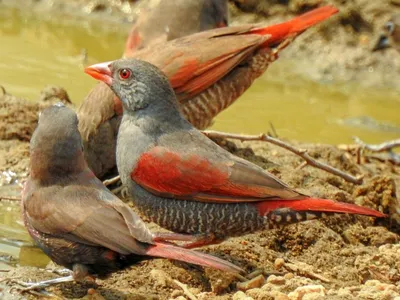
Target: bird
{"x":208,"y":72}
{"x":99,"y":120}
{"x":182,"y":180}
{"x":75,"y":219}
{"x":169,"y":20}
{"x":390,"y":34}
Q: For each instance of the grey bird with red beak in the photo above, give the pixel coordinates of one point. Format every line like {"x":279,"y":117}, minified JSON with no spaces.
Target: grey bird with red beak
{"x":75,"y":219}
{"x":185,"y":182}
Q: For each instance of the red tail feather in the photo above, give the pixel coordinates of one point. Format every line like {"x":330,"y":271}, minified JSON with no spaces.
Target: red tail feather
{"x":297,"y":25}
{"x":316,"y":205}
{"x":191,"y":256}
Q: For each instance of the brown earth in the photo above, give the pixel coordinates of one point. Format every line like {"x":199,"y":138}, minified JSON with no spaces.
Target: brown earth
{"x":341,"y":257}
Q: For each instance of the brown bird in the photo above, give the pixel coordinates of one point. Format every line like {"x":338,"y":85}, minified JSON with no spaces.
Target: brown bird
{"x":100,"y":110}
{"x":207,"y":70}
{"x":390,"y":35}
{"x":185,"y":182}
{"x":169,"y":20}
{"x":75,"y":219}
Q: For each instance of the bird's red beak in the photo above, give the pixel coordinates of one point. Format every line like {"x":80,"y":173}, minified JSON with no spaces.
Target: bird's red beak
{"x":101,"y":72}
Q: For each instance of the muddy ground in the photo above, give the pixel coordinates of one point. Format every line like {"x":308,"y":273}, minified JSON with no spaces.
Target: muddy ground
{"x":341,"y":257}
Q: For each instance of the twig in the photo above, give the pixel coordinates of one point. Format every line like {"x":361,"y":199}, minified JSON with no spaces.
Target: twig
{"x":185,"y":289}
{"x":305,"y":270}
{"x":300,"y":152}
{"x":386,"y":146}
{"x":10,"y":198}
{"x":111,"y":180}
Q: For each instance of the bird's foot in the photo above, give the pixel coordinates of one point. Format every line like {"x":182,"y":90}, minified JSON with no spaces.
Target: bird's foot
{"x":29,"y":286}
{"x":122,"y":190}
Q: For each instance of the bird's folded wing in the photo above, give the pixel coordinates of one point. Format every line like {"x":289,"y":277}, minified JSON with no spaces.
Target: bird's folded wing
{"x":194,"y":63}
{"x":194,"y":177}
{"x":86,"y":215}
{"x":96,"y":108}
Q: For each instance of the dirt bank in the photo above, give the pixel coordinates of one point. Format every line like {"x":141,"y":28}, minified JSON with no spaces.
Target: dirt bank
{"x":341,"y":257}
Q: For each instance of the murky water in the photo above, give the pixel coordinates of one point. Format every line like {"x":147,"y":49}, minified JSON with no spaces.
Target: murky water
{"x":37,"y":51}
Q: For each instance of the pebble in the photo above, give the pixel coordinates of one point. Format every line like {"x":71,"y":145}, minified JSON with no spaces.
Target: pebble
{"x":289,"y":276}
{"x":277,"y":280}
{"x":256,"y":282}
{"x":241,"y":296}
{"x":279,"y":263}
{"x":308,"y":292}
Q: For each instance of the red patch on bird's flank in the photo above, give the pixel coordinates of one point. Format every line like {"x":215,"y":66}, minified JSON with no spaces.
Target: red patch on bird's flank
{"x":168,"y":172}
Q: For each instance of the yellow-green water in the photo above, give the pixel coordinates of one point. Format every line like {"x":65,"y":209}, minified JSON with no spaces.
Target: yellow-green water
{"x":36,"y":51}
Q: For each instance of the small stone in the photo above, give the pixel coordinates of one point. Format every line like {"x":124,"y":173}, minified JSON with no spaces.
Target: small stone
{"x":160,"y":277}
{"x":180,"y":298}
{"x":92,"y":294}
{"x":279,"y":295}
{"x":256,"y":282}
{"x":277,"y":280}
{"x":289,"y":276}
{"x":308,"y":292}
{"x":279,"y":263}
{"x":176,"y":293}
{"x":241,"y":296}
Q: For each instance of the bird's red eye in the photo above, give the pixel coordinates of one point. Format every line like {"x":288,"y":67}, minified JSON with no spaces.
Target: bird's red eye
{"x":124,"y":73}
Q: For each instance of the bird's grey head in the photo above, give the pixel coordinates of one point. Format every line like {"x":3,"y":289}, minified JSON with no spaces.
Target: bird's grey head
{"x":214,"y":14}
{"x":139,"y":84}
{"x":56,"y":137}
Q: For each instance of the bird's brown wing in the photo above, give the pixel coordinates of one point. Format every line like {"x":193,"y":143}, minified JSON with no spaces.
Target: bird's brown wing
{"x":88,"y":215}
{"x":206,"y":178}
{"x":100,"y":105}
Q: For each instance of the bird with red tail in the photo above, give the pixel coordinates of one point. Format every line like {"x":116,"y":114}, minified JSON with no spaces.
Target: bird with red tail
{"x":100,"y":112}
{"x":185,"y":182}
{"x":208,"y":71}
{"x":75,"y":219}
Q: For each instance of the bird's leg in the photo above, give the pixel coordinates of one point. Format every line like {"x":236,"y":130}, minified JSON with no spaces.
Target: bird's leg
{"x":110,"y":181}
